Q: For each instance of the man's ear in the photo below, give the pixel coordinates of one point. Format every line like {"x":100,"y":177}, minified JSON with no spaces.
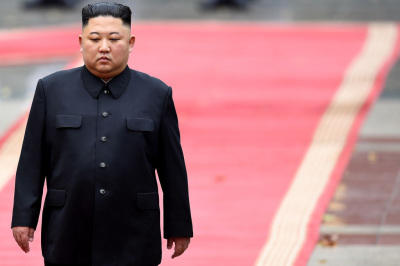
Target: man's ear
{"x":131,"y":43}
{"x":80,"y":43}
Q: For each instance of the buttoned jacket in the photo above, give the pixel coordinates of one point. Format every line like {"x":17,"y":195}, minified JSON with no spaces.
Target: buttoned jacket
{"x":98,"y":146}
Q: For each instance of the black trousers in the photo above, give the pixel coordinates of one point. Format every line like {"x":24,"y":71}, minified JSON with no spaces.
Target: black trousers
{"x":46,"y":263}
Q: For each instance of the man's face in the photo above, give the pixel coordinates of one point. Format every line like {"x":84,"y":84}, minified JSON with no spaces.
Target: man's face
{"x":105,"y":45}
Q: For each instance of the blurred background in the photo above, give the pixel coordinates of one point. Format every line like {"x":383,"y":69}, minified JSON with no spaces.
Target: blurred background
{"x":361,"y":222}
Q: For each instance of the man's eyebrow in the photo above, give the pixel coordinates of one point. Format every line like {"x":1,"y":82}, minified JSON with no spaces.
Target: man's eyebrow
{"x":95,"y":32}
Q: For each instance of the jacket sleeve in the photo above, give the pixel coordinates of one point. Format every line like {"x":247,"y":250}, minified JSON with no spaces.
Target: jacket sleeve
{"x":172,"y":175}
{"x":30,"y":171}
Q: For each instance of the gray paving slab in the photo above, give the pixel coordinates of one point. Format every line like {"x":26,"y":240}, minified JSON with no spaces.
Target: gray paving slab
{"x":10,"y":111}
{"x":17,"y":85}
{"x":383,"y":119}
{"x":392,"y":86}
{"x":357,"y":255}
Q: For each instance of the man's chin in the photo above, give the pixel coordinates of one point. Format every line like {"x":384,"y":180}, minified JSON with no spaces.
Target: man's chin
{"x":104,"y":69}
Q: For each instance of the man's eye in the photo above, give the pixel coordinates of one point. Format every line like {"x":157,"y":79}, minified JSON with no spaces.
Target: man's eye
{"x":114,"y":40}
{"x":95,"y":40}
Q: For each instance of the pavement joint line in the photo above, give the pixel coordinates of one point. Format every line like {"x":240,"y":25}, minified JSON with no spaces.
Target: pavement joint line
{"x":360,"y":229}
{"x":290,"y":225}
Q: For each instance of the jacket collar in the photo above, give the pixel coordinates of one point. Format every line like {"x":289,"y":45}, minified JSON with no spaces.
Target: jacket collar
{"x":94,"y":85}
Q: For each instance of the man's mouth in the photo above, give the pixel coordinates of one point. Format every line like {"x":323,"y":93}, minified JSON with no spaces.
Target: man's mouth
{"x":104,"y":58}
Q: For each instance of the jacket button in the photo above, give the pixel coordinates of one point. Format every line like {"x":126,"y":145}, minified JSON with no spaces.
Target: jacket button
{"x":102,"y":164}
{"x":105,"y":114}
{"x":102,"y":191}
{"x":104,"y":139}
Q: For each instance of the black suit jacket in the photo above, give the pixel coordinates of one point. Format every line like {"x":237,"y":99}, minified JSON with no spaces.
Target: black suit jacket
{"x":98,"y":147}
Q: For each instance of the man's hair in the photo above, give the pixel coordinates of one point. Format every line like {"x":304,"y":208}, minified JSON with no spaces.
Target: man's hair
{"x":106,"y":9}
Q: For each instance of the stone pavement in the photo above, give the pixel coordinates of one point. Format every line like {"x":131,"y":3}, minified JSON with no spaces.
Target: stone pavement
{"x":362,"y":222}
{"x":364,"y":214}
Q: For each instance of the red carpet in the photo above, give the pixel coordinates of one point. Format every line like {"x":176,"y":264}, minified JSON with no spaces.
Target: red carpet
{"x":249,"y":98}
{"x":36,"y":45}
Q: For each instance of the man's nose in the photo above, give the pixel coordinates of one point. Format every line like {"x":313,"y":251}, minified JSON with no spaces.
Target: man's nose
{"x":104,"y":46}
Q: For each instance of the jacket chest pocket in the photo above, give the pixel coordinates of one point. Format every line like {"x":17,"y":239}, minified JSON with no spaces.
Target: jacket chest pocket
{"x":68,"y":121}
{"x":140,"y":124}
{"x":140,"y":137}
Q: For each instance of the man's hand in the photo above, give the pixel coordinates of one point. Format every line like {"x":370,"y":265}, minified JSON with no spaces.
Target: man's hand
{"x":23,"y":235}
{"x":181,"y":244}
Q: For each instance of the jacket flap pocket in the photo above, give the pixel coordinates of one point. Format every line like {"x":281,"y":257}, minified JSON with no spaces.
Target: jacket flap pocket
{"x":140,"y":124}
{"x":55,"y":197}
{"x":68,"y":121}
{"x":148,"y":201}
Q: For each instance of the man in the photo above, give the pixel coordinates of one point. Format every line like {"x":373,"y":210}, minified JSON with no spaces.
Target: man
{"x":50,"y":3}
{"x":97,"y":134}
{"x":214,"y":4}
